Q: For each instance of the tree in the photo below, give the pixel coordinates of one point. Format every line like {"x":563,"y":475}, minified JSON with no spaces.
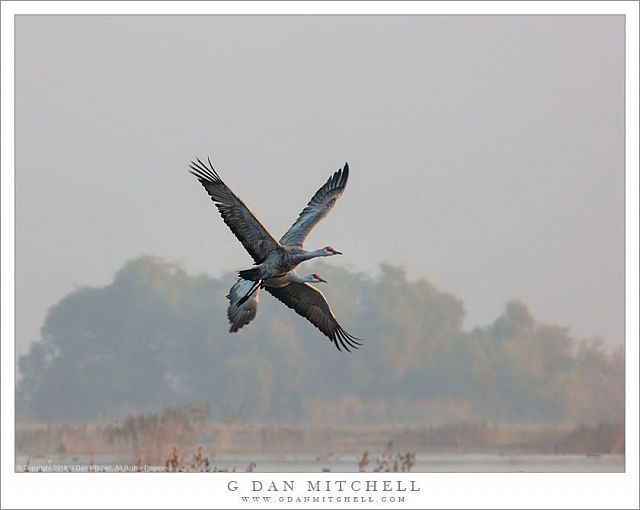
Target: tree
{"x":157,"y":337}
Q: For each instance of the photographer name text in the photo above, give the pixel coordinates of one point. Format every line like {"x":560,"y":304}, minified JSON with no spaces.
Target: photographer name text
{"x":258,"y":486}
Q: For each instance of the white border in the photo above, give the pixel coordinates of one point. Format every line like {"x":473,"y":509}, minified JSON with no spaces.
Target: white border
{"x":208,"y":491}
{"x":321,"y":7}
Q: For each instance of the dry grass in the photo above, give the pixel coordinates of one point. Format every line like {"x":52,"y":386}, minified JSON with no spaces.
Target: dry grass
{"x":145,"y":437}
{"x":389,"y":462}
{"x":198,"y":463}
{"x":184,"y":440}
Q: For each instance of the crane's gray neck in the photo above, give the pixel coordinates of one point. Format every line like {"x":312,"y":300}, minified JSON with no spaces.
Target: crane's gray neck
{"x":297,"y":278}
{"x":307,"y":255}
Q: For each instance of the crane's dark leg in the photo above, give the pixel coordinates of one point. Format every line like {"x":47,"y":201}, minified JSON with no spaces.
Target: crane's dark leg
{"x":252,"y":290}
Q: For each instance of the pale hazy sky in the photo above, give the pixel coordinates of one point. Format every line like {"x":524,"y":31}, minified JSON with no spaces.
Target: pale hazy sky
{"x":486,"y":153}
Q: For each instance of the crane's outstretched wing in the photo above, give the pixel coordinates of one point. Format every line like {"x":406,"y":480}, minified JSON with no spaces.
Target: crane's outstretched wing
{"x":317,"y":208}
{"x":311,"y":304}
{"x":253,"y":235}
{"x":241,"y":315}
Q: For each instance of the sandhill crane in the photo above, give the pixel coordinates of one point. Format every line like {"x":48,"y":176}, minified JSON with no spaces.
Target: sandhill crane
{"x":277,"y":258}
{"x":272,"y":258}
{"x":293,"y":290}
{"x":241,"y":314}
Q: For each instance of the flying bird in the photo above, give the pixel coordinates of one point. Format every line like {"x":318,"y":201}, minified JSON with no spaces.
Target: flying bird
{"x":305,"y":299}
{"x":276,"y":259}
{"x":241,"y":314}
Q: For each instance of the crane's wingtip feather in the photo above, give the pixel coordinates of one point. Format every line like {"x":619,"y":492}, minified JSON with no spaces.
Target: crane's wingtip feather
{"x":341,"y":337}
{"x":349,"y":339}
{"x":342,"y":341}
{"x":203,"y":172}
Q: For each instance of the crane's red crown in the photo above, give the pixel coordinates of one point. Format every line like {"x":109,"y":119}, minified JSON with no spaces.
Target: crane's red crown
{"x":329,"y":248}
{"x":316,"y":276}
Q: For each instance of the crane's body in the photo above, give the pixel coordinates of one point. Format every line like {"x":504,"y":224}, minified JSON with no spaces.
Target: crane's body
{"x":242,"y":311}
{"x":275,"y":260}
{"x":283,"y":259}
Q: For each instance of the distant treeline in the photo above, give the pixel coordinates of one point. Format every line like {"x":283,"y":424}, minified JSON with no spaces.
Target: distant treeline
{"x":157,"y":337}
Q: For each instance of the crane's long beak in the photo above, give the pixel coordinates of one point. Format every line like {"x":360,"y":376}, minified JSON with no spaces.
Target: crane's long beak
{"x":322,"y":280}
{"x":336,"y":252}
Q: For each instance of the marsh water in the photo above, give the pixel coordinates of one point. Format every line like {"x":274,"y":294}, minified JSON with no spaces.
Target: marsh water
{"x":345,"y":463}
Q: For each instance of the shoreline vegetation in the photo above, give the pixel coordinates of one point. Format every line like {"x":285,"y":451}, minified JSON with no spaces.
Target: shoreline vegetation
{"x":186,"y":438}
